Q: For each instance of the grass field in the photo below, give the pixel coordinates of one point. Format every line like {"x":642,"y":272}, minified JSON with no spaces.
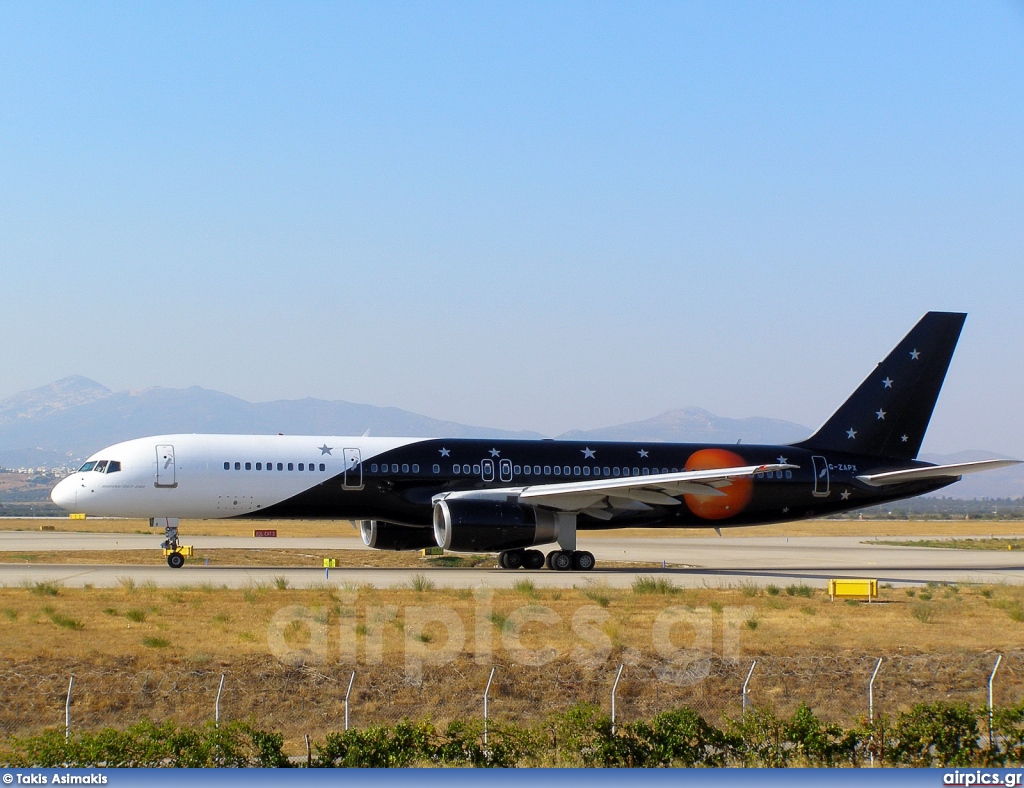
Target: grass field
{"x":344,"y":528}
{"x":141,"y":651}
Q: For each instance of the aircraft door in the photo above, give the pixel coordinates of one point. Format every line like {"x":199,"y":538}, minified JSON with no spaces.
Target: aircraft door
{"x":487,"y":470}
{"x":505,"y":470}
{"x":820,"y":477}
{"x":166,"y":473}
{"x":353,"y":479}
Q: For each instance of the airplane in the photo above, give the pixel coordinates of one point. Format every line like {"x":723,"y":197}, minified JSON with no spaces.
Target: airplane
{"x":513,"y":496}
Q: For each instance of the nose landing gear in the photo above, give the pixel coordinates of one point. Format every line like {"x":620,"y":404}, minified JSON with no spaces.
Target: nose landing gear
{"x":175,"y":559}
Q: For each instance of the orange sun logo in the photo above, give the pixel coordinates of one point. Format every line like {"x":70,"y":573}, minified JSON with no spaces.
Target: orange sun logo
{"x":737,"y":493}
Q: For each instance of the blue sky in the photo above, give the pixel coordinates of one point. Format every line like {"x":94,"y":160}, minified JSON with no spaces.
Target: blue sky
{"x":527,"y":215}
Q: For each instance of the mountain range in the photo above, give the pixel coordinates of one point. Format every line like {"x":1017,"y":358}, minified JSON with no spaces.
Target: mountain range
{"x":65,"y":421}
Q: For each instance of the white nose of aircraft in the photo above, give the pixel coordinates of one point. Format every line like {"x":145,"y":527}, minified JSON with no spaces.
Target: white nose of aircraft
{"x":65,"y":494}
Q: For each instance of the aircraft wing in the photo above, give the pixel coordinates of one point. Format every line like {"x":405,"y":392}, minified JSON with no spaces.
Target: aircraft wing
{"x":933,"y":472}
{"x":604,"y":498}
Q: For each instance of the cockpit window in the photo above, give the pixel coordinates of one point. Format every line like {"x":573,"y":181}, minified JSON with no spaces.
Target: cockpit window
{"x":113,"y":466}
{"x":87,"y":467}
{"x":101,"y":466}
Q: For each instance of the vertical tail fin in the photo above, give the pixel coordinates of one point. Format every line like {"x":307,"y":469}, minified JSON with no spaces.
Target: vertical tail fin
{"x":888,"y":414}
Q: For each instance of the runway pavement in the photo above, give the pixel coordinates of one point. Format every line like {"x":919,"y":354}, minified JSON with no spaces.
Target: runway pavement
{"x":712,"y":562}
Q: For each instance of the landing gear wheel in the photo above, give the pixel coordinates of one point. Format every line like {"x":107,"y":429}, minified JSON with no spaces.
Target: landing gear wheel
{"x":561,"y":560}
{"x":533,"y":559}
{"x":547,"y":559}
{"x":582,"y":561}
{"x":510,"y":559}
{"x":175,"y":560}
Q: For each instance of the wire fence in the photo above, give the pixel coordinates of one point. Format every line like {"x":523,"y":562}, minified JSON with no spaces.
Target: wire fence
{"x":306,"y":700}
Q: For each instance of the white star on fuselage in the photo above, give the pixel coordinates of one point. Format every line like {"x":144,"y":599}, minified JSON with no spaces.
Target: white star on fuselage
{"x":846,"y":495}
{"x":325,"y":449}
{"x":914,"y":354}
{"x":445,"y":452}
{"x":880,"y":413}
{"x":642,"y":453}
{"x":887,"y":383}
{"x":904,"y":438}
{"x":851,"y":433}
{"x":588,"y":453}
{"x":781,"y":459}
{"x":495,"y":452}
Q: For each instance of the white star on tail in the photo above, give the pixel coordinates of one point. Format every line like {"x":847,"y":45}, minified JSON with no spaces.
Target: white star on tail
{"x":887,"y":383}
{"x":914,"y":354}
{"x":904,"y":439}
{"x":851,"y":433}
{"x":880,"y":413}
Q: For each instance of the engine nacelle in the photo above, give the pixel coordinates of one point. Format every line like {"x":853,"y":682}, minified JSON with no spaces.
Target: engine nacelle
{"x":389,"y":536}
{"x":490,"y":526}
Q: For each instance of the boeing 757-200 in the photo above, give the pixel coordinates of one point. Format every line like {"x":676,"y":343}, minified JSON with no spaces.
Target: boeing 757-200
{"x":511,"y":496}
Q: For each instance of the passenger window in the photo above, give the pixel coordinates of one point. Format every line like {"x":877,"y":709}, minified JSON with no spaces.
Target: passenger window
{"x":113,"y":466}
{"x":270,"y":466}
{"x":586,"y":470}
{"x":280,"y":466}
{"x":248,"y":466}
{"x":394,"y":468}
{"x":536,"y":470}
{"x":312,"y":467}
{"x":323,"y":467}
{"x":437,"y":469}
{"x":516,"y":470}
{"x":227,"y":466}
{"x":101,"y":466}
{"x":302,"y":466}
{"x":291,"y":467}
{"x":405,"y":468}
{"x":636,"y":471}
{"x":616,"y":471}
{"x":527,"y":470}
{"x":646,"y":471}
{"x":476,"y":469}
{"x":456,"y":468}
{"x":576,"y":470}
{"x":90,"y":465}
{"x":607,"y":471}
{"x":547,"y":470}
{"x":259,"y":466}
{"x":789,"y":474}
{"x":415,"y":468}
{"x":238,"y":466}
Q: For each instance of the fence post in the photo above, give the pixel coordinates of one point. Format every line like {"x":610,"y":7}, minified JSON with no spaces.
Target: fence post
{"x":487,"y":689}
{"x":999,"y":658}
{"x":216,"y":707}
{"x":871,"y":692}
{"x":615,"y":686}
{"x":745,"y":683}
{"x":871,"y":706}
{"x":68,"y":709}
{"x":347,"y":693}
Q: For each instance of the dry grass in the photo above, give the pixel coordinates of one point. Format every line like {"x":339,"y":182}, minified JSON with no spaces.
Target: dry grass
{"x":143,"y":651}
{"x":344,"y":528}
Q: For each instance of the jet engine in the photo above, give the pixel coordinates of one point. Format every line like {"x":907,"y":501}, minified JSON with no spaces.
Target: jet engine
{"x":389,"y":536}
{"x":490,"y":526}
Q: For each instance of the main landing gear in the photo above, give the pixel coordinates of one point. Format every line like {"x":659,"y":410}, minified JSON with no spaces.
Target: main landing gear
{"x":175,"y":560}
{"x":559,"y":560}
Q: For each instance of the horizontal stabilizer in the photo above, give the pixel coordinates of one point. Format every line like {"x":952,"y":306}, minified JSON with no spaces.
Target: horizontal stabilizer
{"x":933,"y":472}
